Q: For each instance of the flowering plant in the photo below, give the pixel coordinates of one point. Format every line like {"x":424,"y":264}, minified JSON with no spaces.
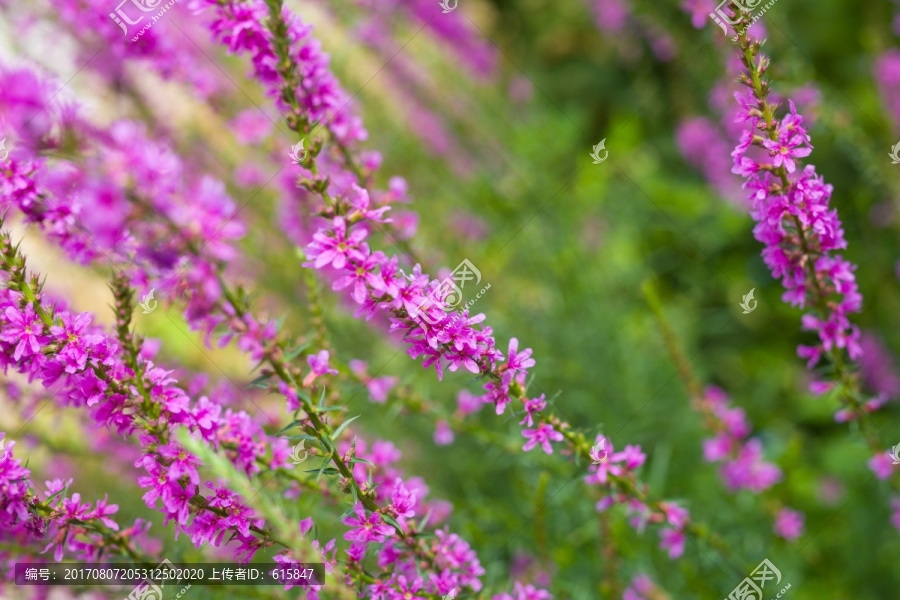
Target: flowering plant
{"x":264,"y":404}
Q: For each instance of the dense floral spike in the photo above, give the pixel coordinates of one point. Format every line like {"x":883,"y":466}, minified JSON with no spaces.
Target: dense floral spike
{"x":416,"y":304}
{"x":799,"y":229}
{"x":801,"y":233}
{"x":172,"y":476}
{"x":90,"y":368}
{"x":88,"y":534}
{"x":742,"y":464}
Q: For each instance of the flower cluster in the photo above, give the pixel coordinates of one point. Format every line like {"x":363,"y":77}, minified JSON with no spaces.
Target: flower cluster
{"x":90,"y":369}
{"x":743,"y":466}
{"x":795,"y":222}
{"x":617,"y":476}
{"x":317,"y":96}
{"x":416,"y":305}
{"x":130,"y":199}
{"x":171,"y":476}
{"x":70,"y":524}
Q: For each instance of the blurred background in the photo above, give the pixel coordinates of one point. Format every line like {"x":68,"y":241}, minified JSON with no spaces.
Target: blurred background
{"x":491,"y":119}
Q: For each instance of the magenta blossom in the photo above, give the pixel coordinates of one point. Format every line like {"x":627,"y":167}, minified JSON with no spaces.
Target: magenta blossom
{"x":25,"y":330}
{"x":543,"y":435}
{"x":367,"y":527}
{"x":789,"y":524}
{"x":319,"y":365}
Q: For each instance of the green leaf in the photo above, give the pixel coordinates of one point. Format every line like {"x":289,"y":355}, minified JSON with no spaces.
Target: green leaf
{"x":337,"y":433}
{"x":258,"y":382}
{"x":286,"y":427}
{"x":353,"y":461}
{"x":324,"y":466}
{"x":424,"y":520}
{"x":296,"y":352}
{"x":322,"y":399}
{"x":347,"y":513}
{"x":391,"y":521}
{"x":328,"y":445}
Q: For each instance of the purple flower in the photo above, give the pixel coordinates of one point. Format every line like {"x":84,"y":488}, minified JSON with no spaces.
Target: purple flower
{"x":177,"y":503}
{"x":403,"y":500}
{"x":101,"y":512}
{"x":182,"y":463}
{"x":319,"y":365}
{"x":335,"y":248}
{"x":882,"y":465}
{"x":24,"y":329}
{"x":467,"y":403}
{"x":642,"y":588}
{"x":532,"y":406}
{"x":543,"y":435}
{"x":672,"y":540}
{"x":72,"y":334}
{"x":251,"y":126}
{"x":443,"y":435}
{"x":789,"y":524}
{"x":519,"y":361}
{"x":367,"y":528}
{"x":362,"y":276}
{"x":632,"y":456}
{"x":380,"y":387}
{"x":359,"y":199}
{"x":407,"y":590}
{"x":787,"y":147}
